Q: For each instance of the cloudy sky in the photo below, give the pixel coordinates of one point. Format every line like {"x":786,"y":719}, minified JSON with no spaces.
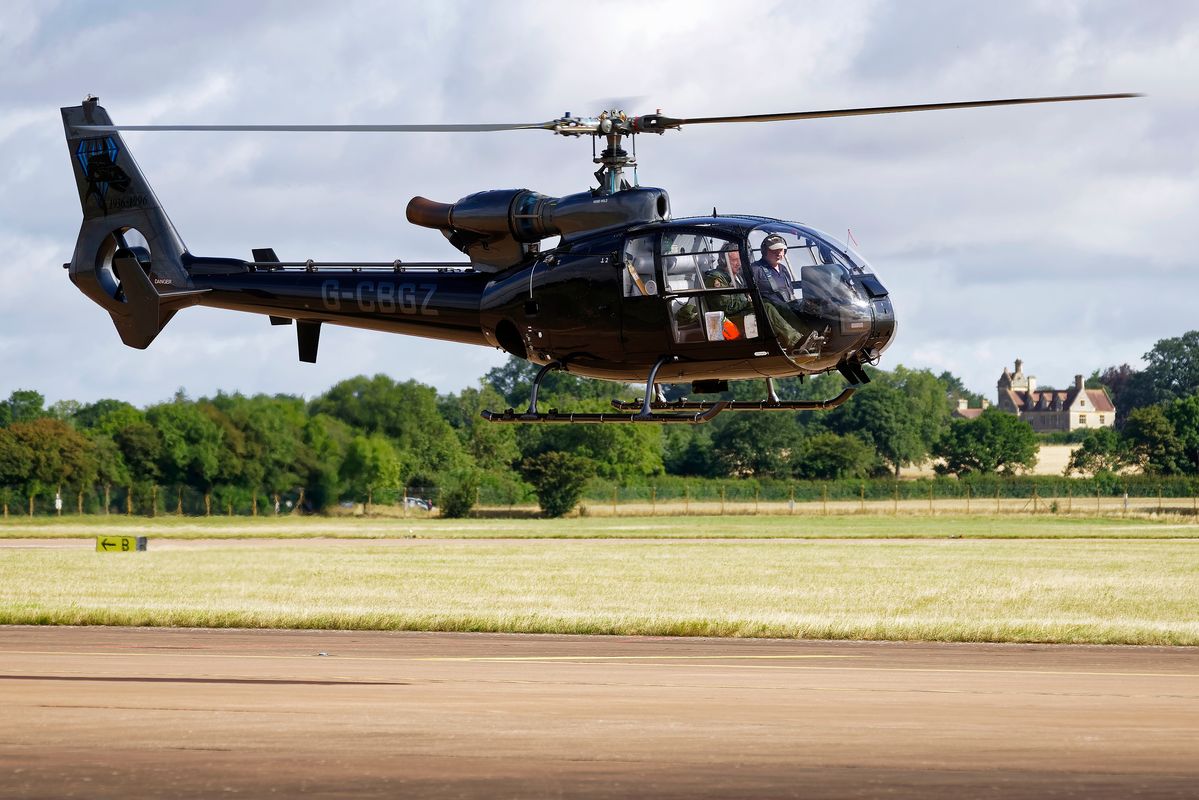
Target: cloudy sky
{"x":1064,"y":235}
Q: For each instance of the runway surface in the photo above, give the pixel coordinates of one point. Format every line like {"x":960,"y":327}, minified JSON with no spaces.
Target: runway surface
{"x":118,"y":712}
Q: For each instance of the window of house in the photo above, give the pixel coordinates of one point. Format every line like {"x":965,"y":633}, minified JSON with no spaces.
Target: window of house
{"x":1101,"y":419}
{"x":1082,"y":419}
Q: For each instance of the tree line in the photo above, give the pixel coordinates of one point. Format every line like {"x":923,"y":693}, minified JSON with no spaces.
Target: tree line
{"x":367,"y":438}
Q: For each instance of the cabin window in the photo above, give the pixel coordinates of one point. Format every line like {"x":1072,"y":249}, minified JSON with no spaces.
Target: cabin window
{"x":638,"y":268}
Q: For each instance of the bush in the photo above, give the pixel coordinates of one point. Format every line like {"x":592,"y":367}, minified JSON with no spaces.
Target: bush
{"x":458,"y":492}
{"x":558,"y":479}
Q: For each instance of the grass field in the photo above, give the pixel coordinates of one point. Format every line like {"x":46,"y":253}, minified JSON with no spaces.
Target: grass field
{"x":667,"y":527}
{"x":943,"y":578}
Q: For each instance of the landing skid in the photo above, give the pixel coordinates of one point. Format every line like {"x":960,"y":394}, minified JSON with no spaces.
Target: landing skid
{"x":745,"y":405}
{"x":644,"y":409}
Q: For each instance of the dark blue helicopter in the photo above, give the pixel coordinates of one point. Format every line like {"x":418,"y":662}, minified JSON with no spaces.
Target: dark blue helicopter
{"x":628,"y":294}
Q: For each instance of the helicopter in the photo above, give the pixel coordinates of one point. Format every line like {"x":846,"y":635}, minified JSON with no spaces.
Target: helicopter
{"x":628,"y":293}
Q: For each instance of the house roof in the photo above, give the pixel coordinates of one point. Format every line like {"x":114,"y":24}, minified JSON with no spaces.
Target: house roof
{"x":1056,"y":400}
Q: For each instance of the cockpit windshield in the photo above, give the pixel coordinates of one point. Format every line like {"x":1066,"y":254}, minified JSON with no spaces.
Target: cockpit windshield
{"x":806,"y":280}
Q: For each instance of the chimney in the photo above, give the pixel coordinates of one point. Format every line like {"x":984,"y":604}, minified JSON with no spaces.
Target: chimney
{"x":1078,"y":383}
{"x":1032,"y":384}
{"x":1019,"y":366}
{"x":986,"y":404}
{"x":963,"y":404}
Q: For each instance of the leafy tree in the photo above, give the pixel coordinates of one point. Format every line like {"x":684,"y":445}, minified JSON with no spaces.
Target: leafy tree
{"x":192,"y":444}
{"x":275,"y":456}
{"x":64,"y":410}
{"x":559,"y":479}
{"x":371,"y":463}
{"x":405,"y":412}
{"x":140,"y":446}
{"x":1183,"y":414}
{"x":107,"y":416}
{"x":993,"y":442}
{"x":493,"y":447}
{"x":16,"y":459}
{"x":111,"y":469}
{"x":955,"y":390}
{"x":1101,"y":450}
{"x":59,"y":455}
{"x":514,"y":380}
{"x":1153,"y":442}
{"x":757,"y":445}
{"x":327,"y":440}
{"x":831,"y":456}
{"x":884,"y":418}
{"x":688,"y":450}
{"x":1172,"y":373}
{"x":23,"y":405}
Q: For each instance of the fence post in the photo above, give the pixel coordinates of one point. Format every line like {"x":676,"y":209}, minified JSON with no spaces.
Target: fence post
{"x":1034,"y":499}
{"x":179,"y":503}
{"x":1097,"y":509}
{"x":129,"y":502}
{"x":653,"y":500}
{"x":80,"y":507}
{"x":997,"y":498}
{"x":614,"y":501}
{"x":824,"y":498}
{"x":1069,"y":498}
{"x":404,"y":504}
{"x":107,"y":498}
{"x":31,"y":506}
{"x":686,"y":500}
{"x":1159,"y":499}
{"x":895,"y":508}
{"x":154,"y":500}
{"x":791,"y":505}
{"x":757,"y":493}
{"x":967,"y":498}
{"x":862,"y":497}
{"x":208,"y":503}
{"x":930,"y":497}
{"x":722,"y":501}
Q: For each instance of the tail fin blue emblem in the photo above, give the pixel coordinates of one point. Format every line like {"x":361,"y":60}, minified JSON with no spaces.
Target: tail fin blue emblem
{"x":98,"y":160}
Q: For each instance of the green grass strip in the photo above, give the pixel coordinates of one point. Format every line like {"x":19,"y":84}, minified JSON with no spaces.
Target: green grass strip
{"x":662,"y":527}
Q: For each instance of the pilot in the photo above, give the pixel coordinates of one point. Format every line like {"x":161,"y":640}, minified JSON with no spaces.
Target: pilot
{"x":771,"y":273}
{"x":773,"y":278}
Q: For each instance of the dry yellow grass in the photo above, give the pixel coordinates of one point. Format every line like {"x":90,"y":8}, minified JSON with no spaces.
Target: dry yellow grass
{"x":1052,"y":590}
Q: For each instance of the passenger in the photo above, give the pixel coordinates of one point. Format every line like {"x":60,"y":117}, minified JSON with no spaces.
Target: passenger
{"x":727,"y":275}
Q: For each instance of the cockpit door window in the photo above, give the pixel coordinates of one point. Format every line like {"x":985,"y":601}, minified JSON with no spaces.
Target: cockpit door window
{"x":702,"y":276}
{"x":638,"y":271}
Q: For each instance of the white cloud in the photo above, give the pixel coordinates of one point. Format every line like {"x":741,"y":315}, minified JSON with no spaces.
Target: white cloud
{"x":1065,"y":233}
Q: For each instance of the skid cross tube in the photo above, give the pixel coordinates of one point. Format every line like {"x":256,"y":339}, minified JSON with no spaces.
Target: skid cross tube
{"x":703,"y":411}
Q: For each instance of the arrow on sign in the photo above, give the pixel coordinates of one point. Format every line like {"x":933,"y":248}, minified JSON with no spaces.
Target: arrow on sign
{"x":107,"y":544}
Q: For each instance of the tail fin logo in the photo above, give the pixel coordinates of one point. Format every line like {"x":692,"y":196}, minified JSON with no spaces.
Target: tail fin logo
{"x":98,"y":160}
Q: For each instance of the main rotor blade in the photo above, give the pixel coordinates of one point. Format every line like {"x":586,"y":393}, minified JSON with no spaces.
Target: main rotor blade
{"x":859,"y":112}
{"x":454,"y":128}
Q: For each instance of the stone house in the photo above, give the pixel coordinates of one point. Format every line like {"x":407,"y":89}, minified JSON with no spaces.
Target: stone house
{"x":1053,"y":409}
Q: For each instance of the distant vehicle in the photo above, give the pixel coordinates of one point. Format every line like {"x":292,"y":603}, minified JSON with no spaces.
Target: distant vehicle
{"x":418,"y":502}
